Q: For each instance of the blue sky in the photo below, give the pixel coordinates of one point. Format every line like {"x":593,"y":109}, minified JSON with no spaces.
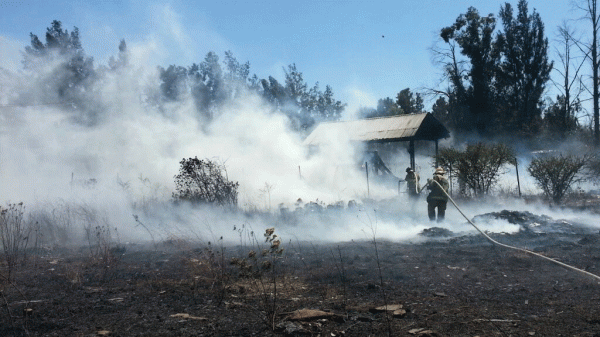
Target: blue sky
{"x":365,"y":50}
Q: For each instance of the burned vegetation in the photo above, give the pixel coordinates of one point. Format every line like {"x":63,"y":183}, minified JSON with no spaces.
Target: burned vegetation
{"x":445,"y":284}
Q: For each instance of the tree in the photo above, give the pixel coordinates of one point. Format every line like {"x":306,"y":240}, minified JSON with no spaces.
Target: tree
{"x":454,"y":70}
{"x":236,"y":75}
{"x":590,"y":9}
{"x":273,"y":91}
{"x":72,"y":79}
{"x":122,"y":59}
{"x":203,"y":181}
{"x":173,"y":82}
{"x":328,"y":108}
{"x":523,"y":70}
{"x":295,"y":87}
{"x":385,"y":107}
{"x":441,"y":110}
{"x":409,"y":104}
{"x":473,"y":34}
{"x":555,"y":175}
{"x":561,"y":117}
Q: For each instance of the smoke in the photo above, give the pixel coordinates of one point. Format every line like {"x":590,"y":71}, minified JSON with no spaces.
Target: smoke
{"x":76,"y":175}
{"x":125,"y":162}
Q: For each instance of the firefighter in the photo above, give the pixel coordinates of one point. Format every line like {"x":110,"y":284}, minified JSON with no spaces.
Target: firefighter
{"x":437,"y":198}
{"x":412,"y":183}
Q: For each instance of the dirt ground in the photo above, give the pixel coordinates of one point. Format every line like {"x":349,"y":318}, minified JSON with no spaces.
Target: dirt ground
{"x":459,"y":286}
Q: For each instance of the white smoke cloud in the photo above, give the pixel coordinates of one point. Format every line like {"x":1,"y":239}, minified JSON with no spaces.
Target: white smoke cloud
{"x":47,"y":161}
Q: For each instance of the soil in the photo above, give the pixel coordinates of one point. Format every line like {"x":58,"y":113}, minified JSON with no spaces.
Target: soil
{"x":442,"y":286}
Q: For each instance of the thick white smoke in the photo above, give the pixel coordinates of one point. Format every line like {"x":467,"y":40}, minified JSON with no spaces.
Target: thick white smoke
{"x":125,"y":163}
{"x":132,"y":154}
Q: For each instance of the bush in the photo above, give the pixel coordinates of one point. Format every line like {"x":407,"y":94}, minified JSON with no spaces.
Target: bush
{"x":14,"y":234}
{"x":478,"y":167}
{"x":202,"y":181}
{"x":555,"y":175}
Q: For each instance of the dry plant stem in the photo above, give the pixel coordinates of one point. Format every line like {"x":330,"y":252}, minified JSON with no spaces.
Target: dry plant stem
{"x":343,"y":277}
{"x":27,"y":302}
{"x":14,"y":235}
{"x":7,"y":309}
{"x":341,"y":272}
{"x":385,"y":301}
{"x":137,"y":219}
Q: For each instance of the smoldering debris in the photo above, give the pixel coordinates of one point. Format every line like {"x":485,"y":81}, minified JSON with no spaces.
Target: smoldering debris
{"x":536,"y":224}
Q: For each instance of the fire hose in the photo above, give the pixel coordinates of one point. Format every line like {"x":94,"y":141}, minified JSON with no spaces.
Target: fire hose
{"x":508,"y":246}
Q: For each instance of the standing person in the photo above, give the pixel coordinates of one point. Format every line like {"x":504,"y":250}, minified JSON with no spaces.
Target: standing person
{"x":412,"y":183}
{"x":437,"y":197}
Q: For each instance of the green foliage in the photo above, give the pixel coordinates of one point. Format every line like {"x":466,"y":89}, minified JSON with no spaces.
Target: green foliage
{"x":448,"y":158}
{"x":560,"y":117}
{"x":173,"y":82}
{"x":66,"y":73}
{"x":72,"y":74}
{"x":212,"y":87}
{"x":500,"y":90}
{"x":203,"y":181}
{"x":478,"y":167}
{"x":556,"y":174}
{"x":302,"y":105}
{"x":523,"y":71}
{"x":473,"y":34}
{"x":406,"y":102}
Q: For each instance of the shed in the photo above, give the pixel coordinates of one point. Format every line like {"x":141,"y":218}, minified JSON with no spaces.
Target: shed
{"x":401,"y":128}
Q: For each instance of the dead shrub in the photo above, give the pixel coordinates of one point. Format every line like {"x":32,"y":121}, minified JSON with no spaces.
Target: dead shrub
{"x":204,"y":181}
{"x":555,"y":175}
{"x":207,"y":268}
{"x":261,"y":268}
{"x":14,"y":235}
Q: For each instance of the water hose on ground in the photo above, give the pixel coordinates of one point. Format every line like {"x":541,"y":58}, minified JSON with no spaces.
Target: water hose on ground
{"x":512,"y":247}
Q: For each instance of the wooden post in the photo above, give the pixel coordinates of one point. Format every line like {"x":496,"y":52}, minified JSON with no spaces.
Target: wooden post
{"x":299,"y":172}
{"x":518,"y":182}
{"x":367,"y":170}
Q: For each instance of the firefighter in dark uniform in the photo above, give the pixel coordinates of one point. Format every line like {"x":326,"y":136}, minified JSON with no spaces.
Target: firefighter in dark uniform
{"x":412,"y":183}
{"x":437,"y":198}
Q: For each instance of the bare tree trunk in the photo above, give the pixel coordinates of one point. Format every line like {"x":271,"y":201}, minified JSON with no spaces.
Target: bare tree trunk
{"x":592,"y":5}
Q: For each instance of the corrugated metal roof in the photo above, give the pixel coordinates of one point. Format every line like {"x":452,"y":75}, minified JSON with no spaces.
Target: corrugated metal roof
{"x":395,"y":128}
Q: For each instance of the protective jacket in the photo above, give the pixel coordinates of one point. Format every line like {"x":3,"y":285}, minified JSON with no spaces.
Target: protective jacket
{"x":436,"y":192}
{"x":412,"y":183}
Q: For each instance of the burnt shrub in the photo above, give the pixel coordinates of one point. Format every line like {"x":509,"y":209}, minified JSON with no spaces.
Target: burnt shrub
{"x":204,"y":181}
{"x":556,"y":174}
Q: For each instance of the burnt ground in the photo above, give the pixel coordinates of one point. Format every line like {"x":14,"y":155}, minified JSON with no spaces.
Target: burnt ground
{"x":457,"y":286}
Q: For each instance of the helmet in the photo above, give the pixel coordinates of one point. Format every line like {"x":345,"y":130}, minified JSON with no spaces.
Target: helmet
{"x":440,"y":171}
{"x":409,"y":169}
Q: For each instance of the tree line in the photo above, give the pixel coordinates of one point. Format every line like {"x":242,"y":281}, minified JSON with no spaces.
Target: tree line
{"x":211,"y":83}
{"x":496,"y":74}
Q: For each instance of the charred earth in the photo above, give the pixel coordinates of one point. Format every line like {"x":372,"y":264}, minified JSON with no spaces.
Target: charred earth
{"x":444,"y":284}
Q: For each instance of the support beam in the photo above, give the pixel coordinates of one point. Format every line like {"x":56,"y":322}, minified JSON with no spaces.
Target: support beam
{"x":411,"y":152}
